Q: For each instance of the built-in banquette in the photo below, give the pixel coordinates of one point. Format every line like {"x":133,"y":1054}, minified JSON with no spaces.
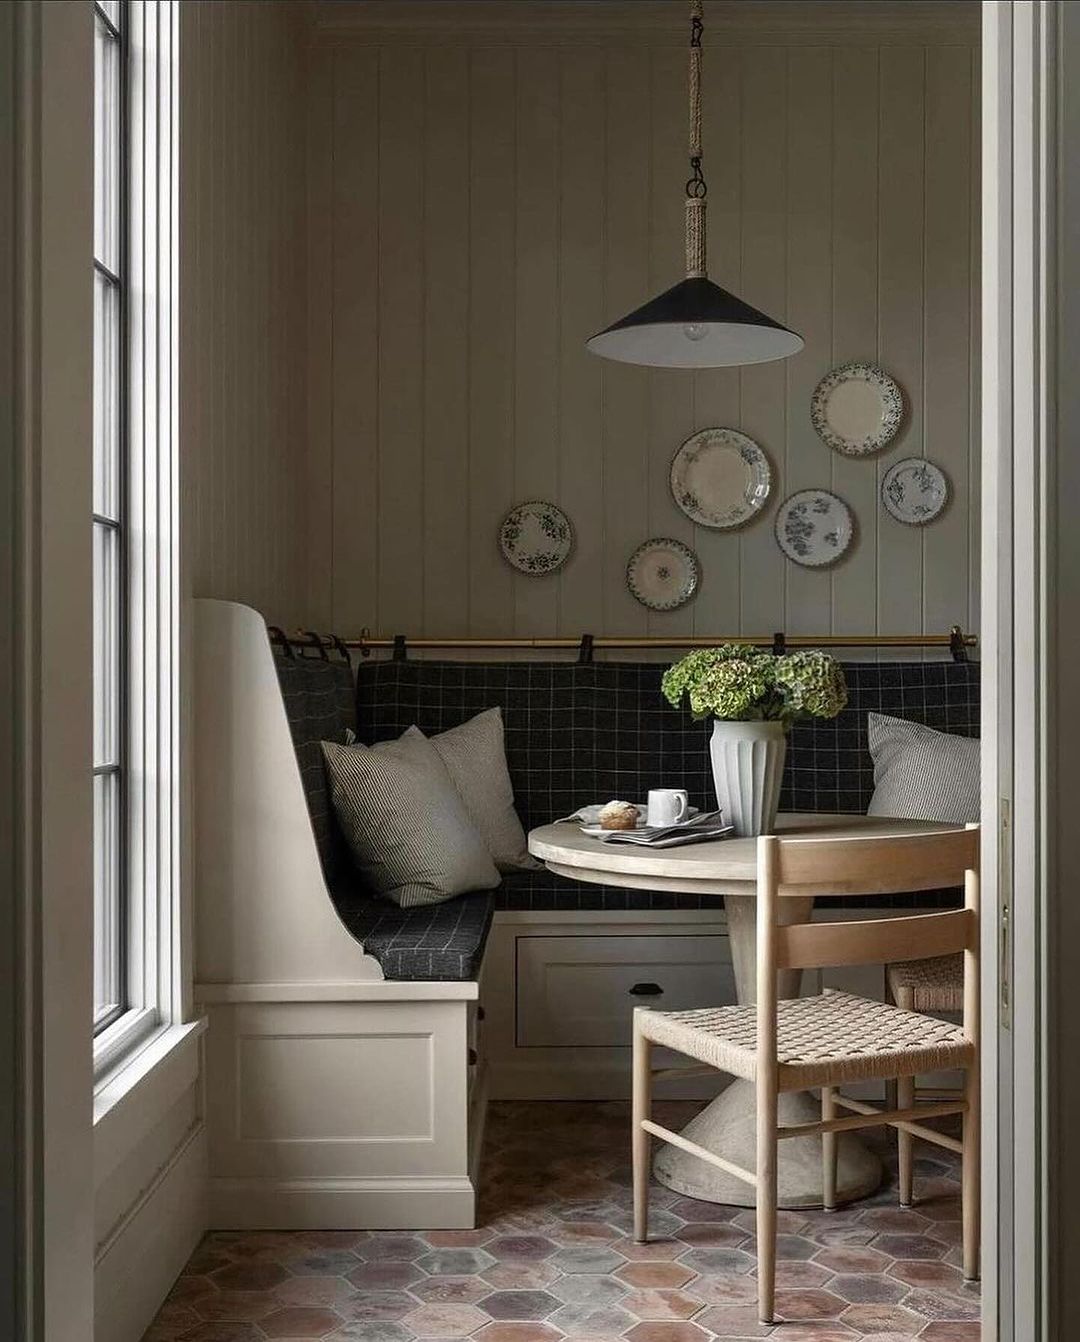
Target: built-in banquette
{"x":352,"y":1044}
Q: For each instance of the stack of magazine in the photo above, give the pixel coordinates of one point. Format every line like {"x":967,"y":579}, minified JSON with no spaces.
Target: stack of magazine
{"x":699,"y":828}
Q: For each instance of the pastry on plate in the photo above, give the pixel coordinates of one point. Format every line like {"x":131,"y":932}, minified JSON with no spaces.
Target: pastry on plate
{"x":619,"y":815}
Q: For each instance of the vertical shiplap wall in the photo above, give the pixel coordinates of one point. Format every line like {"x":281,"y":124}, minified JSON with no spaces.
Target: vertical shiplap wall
{"x":243,"y":308}
{"x":477,"y":211}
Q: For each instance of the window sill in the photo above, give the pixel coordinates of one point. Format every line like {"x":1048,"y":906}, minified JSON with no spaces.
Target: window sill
{"x":140,"y":1089}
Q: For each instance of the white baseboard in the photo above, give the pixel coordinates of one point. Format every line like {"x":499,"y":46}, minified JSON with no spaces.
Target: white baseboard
{"x":408,"y":1202}
{"x":138,"y":1264}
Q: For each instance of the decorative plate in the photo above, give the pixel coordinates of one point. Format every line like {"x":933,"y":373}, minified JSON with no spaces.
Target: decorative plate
{"x":720,"y":478}
{"x":536,"y":537}
{"x":914,"y":491}
{"x":857,"y":409}
{"x":814,"y":527}
{"x":663,"y":574}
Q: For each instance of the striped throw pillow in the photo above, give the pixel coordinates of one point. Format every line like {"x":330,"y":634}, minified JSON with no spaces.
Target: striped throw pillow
{"x":404,"y":822}
{"x":922,"y":774}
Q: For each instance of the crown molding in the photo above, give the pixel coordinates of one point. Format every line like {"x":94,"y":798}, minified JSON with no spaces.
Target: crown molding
{"x":644,"y":22}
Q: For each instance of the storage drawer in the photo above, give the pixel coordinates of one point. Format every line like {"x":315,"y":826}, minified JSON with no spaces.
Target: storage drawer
{"x":577,"y":992}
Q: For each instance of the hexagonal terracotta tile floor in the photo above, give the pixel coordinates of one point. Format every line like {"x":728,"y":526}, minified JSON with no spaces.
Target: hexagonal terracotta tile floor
{"x":552,"y":1260}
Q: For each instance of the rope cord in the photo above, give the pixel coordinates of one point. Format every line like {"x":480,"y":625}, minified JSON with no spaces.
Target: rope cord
{"x":696,"y":188}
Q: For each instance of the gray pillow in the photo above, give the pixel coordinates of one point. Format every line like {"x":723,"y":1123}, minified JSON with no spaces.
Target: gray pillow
{"x":922,"y":774}
{"x":405,"y":823}
{"x":475,"y":757}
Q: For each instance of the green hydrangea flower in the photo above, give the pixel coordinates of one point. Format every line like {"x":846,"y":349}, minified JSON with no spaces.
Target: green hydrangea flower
{"x":740,"y":684}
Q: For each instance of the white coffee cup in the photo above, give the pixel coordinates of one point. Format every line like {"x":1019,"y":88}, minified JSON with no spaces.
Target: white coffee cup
{"x":667,"y":806}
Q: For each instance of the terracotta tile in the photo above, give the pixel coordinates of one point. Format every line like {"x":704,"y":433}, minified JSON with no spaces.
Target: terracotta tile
{"x":573,"y":1231}
{"x":939,"y":1276}
{"x":206,"y":1260}
{"x":797,"y":1274}
{"x":587,"y":1258}
{"x":609,"y":1321}
{"x":712,"y":1234}
{"x":808,"y":1304}
{"x":172,"y":1322}
{"x":668,"y":1332}
{"x":249,"y":1276}
{"x":951,"y":1332}
{"x":909,"y":1246}
{"x":188,"y":1288}
{"x":850,"y":1258}
{"x":841,"y":1232}
{"x":820,"y":1331}
{"x":375,"y":1331}
{"x":376,"y":1306}
{"x":384,"y":1276}
{"x":224,"y":1332}
{"x":313,"y":1291}
{"x":518,"y":1332}
{"x":706,"y":1261}
{"x":595,"y":1292}
{"x":881,"y":1319}
{"x":520,"y":1276}
{"x":451,"y":1290}
{"x":900,"y":1220}
{"x":519,"y":1305}
{"x":455,"y":1262}
{"x":655,"y":1274}
{"x":661,"y":1222}
{"x":445,"y":1320}
{"x":520,"y":1248}
{"x":691,"y":1209}
{"x":300,"y":1321}
{"x":235,"y":1306}
{"x":322,"y":1262}
{"x":727,"y":1288}
{"x":943,"y":1305}
{"x":787,"y":1246}
{"x":655,"y":1249}
{"x":457,"y":1239}
{"x":401,"y":1248}
{"x":868,"y":1288}
{"x":788,"y":1222}
{"x":334,"y":1239}
{"x":661,"y":1304}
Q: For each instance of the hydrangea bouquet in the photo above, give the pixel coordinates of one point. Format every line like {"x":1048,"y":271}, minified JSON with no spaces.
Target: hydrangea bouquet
{"x":753,"y":698}
{"x":738,"y":683}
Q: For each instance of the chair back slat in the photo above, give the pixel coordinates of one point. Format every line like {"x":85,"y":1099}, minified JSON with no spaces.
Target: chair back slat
{"x":866,"y":865}
{"x":874,"y":941}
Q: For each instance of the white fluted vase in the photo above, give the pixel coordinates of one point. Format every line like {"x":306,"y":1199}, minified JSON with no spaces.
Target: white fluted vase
{"x":748,"y":765}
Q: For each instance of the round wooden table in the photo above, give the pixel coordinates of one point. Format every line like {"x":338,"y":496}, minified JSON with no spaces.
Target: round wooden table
{"x":728,"y":868}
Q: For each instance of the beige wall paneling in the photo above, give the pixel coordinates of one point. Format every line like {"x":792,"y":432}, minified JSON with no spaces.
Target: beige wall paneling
{"x":626,"y":283}
{"x":550,"y":184}
{"x":718,"y":391}
{"x":401,"y":337}
{"x":901,"y":215}
{"x":806,"y":462}
{"x":536,"y":311}
{"x":671,"y":390}
{"x":764,"y":284}
{"x":947,"y":330}
{"x":581,"y":312}
{"x":445,"y":543}
{"x":855,"y":316}
{"x":492,"y":135}
{"x":321,"y":310}
{"x":355,"y":525}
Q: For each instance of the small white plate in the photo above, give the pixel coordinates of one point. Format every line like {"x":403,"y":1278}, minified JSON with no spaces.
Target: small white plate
{"x":536,"y":537}
{"x":720,"y":478}
{"x":857,"y":409}
{"x":914,"y":491}
{"x":814,"y":527}
{"x":663,"y":574}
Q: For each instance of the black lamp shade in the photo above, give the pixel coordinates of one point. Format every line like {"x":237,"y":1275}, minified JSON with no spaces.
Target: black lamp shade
{"x":695,"y":324}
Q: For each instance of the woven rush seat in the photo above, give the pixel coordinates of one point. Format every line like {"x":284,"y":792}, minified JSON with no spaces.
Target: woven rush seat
{"x":821,"y":1041}
{"x":936,"y":984}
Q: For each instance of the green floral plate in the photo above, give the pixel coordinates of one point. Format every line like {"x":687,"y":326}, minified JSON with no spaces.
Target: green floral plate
{"x":536,"y":537}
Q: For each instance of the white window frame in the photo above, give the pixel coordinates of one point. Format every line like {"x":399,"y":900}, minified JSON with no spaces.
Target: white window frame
{"x":152,"y":507}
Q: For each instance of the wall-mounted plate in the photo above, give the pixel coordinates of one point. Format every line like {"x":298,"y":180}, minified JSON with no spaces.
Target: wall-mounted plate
{"x":857,"y":409}
{"x":720,"y":478}
{"x":663,"y":574}
{"x":814,"y":527}
{"x":914,"y":491}
{"x":536,"y":537}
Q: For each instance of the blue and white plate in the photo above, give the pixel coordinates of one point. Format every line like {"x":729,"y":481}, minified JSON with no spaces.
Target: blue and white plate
{"x":814,"y":527}
{"x":720,"y":478}
{"x":914,"y":491}
{"x":663,"y":574}
{"x":857,"y":409}
{"x":536,"y":537}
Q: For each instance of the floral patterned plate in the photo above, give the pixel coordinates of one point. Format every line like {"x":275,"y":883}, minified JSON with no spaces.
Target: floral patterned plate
{"x":914,"y":491}
{"x":536,"y":537}
{"x":857,"y":409}
{"x":814,"y":527}
{"x":720,"y":478}
{"x":663,"y":574}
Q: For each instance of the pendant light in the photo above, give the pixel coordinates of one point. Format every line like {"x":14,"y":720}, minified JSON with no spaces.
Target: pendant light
{"x":695,"y":324}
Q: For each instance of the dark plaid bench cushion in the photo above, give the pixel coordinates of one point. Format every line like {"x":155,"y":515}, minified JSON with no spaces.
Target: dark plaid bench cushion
{"x":574,"y":734}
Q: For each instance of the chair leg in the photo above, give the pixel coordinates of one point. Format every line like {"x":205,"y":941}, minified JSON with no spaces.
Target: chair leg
{"x":828,"y":1150}
{"x":766,"y":1196}
{"x":641,"y":1109}
{"x":905,"y":1098}
{"x":970,"y":1175}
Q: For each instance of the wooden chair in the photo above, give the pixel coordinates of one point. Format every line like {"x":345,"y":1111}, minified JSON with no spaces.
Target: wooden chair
{"x":932,"y":986}
{"x":835,"y":1038}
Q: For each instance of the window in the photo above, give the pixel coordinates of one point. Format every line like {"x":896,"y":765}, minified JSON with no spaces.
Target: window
{"x":110,"y":471}
{"x":137,"y":983}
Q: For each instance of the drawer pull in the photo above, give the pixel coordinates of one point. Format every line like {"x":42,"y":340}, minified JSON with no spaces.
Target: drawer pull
{"x":646,"y":990}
